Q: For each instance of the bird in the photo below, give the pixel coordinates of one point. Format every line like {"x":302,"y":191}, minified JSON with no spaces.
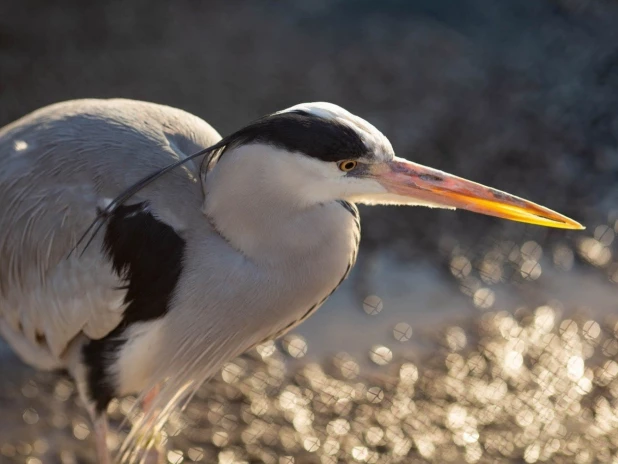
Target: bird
{"x":140,"y":250}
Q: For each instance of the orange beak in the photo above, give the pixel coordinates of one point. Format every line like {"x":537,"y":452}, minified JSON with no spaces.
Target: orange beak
{"x":406,"y":180}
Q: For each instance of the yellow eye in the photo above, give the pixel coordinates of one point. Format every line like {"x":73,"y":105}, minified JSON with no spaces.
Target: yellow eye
{"x":347,"y":165}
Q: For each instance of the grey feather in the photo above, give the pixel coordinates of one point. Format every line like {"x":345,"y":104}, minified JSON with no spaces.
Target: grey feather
{"x":264,"y":245}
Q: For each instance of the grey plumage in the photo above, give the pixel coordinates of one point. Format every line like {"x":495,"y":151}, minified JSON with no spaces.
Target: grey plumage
{"x":62,"y":163}
{"x":201,"y":264}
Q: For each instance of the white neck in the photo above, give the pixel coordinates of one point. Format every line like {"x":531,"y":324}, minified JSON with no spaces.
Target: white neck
{"x":266,"y":207}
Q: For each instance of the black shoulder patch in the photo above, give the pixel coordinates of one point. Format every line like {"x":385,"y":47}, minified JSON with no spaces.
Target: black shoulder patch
{"x":147,"y":254}
{"x":299,"y":131}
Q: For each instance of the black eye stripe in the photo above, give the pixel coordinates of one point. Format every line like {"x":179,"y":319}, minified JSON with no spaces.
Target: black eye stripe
{"x":299,"y":131}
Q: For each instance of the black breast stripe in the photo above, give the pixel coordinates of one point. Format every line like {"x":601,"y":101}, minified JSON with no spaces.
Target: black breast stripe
{"x":147,"y":255}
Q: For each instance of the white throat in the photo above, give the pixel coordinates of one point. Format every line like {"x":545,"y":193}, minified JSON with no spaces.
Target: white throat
{"x":263,"y":201}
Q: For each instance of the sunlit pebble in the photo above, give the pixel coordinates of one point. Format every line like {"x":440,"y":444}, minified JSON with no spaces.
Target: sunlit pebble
{"x":287,"y":437}
{"x":228,"y":422}
{"x":374,"y":435}
{"x":286,"y":460}
{"x":350,"y":369}
{"x":30,"y":416}
{"x":484,"y":298}
{"x":604,"y":234}
{"x":231,"y":372}
{"x":594,"y":251}
{"x":568,"y":326}
{"x":303,"y":420}
{"x":531,"y":251}
{"x":524,"y":417}
{"x":563,"y":257}
{"x":456,"y":416}
{"x":287,"y":400}
{"x":408,"y":373}
{"x":575,"y":367}
{"x":402,"y":332}
{"x":591,"y":330}
{"x":401,"y":447}
{"x":33,"y":460}
{"x":532,"y":453}
{"x":311,"y":444}
{"x":375,"y":395}
{"x":381,"y":355}
{"x":360,"y":453}
{"x":460,"y":266}
{"x":8,"y":450}
{"x":471,"y":436}
{"x":331,"y":446}
{"x":456,"y":365}
{"x":295,"y":345}
{"x":455,"y":338}
{"x":63,"y":390}
{"x":41,"y":446}
{"x":24,"y":448}
{"x":513,"y":360}
{"x":81,"y":431}
{"x":513,"y":253}
{"x":425,"y":447}
{"x":530,"y":270}
{"x":327,"y":459}
{"x":373,"y":305}
{"x":266,"y":349}
{"x":126,"y":405}
{"x":490,"y":271}
{"x":220,"y":438}
{"x":473,"y":453}
{"x":227,"y":457}
{"x":68,"y":457}
{"x":175,"y":457}
{"x":338,"y":427}
{"x":544,"y":318}
{"x":610,"y":347}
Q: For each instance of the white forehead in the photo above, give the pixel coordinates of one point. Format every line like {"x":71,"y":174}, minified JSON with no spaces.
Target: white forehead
{"x":373,"y":138}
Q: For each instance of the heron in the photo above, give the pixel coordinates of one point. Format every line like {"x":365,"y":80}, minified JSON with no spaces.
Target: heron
{"x":140,"y":250}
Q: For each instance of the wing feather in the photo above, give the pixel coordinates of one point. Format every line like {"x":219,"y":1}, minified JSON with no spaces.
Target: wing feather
{"x":57,"y":166}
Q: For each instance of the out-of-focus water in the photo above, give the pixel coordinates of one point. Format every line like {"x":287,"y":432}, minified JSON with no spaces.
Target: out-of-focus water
{"x":405,"y":363}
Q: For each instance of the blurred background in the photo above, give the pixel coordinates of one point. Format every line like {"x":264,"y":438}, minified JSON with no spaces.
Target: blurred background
{"x":457,"y":338}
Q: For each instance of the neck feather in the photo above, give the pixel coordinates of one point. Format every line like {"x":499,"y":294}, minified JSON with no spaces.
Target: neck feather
{"x":259,"y":200}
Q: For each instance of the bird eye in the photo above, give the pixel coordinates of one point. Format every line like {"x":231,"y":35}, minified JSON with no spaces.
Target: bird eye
{"x":347,"y":165}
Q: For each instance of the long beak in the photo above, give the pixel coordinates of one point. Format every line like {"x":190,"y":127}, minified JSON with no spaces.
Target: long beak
{"x":406,"y":179}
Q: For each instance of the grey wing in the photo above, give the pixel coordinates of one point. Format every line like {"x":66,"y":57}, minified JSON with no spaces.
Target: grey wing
{"x":46,"y":300}
{"x":57,"y":167}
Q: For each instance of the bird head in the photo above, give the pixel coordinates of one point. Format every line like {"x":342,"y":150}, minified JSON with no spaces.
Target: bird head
{"x":318,"y":152}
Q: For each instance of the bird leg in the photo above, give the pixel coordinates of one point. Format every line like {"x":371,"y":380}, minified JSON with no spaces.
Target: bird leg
{"x":100,"y":432}
{"x":153,"y":455}
{"x":149,"y":398}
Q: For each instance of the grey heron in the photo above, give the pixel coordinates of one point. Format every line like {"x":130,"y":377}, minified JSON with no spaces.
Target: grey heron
{"x":203,"y":247}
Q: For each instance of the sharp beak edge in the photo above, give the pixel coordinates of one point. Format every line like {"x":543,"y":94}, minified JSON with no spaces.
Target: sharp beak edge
{"x":406,"y":179}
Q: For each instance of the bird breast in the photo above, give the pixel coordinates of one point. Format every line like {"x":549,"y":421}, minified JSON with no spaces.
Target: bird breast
{"x":227,"y":302}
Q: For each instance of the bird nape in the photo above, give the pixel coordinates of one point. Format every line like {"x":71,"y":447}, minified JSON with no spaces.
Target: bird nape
{"x":202,"y":246}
